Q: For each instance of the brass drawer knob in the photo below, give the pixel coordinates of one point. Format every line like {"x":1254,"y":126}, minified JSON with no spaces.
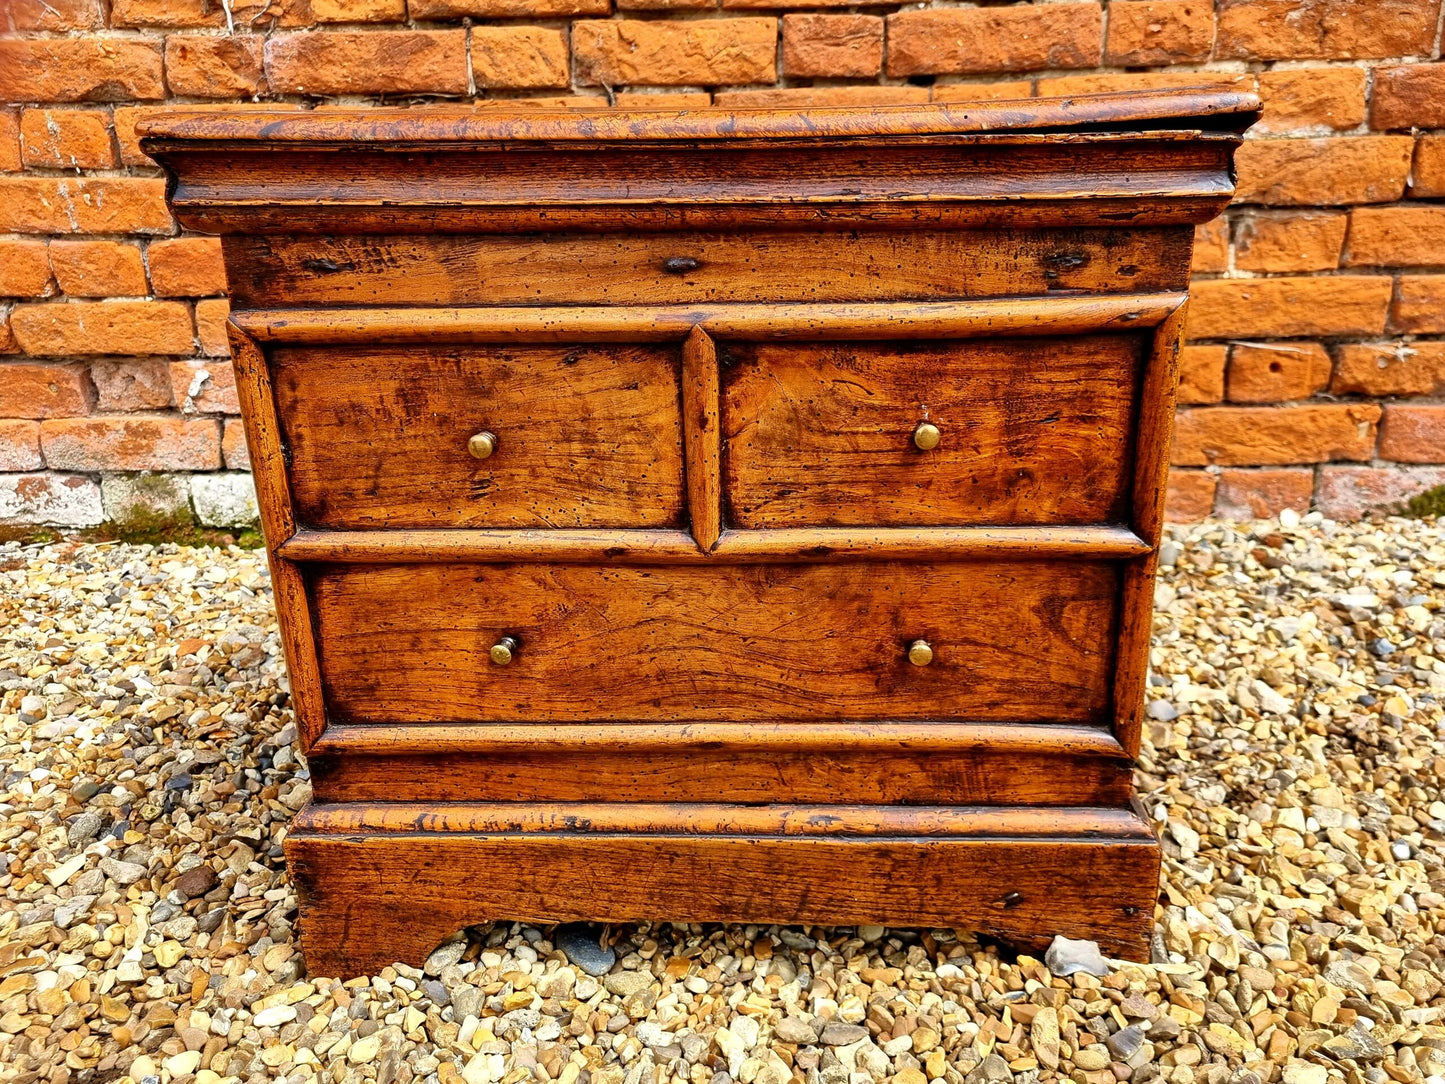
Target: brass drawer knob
{"x":504,"y":650}
{"x":926,"y":436}
{"x":920,"y":653}
{"x":482,"y":444}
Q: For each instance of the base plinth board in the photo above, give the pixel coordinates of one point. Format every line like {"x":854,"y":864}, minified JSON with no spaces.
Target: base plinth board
{"x":382,"y":882}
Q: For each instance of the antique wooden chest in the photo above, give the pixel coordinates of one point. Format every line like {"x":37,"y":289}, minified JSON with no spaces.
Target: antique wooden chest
{"x":713,"y":516}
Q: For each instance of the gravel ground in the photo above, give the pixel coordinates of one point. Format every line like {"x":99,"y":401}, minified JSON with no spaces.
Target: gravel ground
{"x":1294,"y":767}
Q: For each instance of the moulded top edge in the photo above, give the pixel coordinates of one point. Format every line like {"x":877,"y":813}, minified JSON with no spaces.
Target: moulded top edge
{"x":1184,"y":109}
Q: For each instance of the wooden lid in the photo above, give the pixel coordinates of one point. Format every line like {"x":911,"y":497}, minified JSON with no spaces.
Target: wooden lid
{"x":1175,"y":111}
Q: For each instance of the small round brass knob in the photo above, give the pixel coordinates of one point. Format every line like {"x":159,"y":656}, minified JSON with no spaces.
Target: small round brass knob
{"x":926,"y":436}
{"x":504,"y":650}
{"x":920,"y":653}
{"x":482,"y":444}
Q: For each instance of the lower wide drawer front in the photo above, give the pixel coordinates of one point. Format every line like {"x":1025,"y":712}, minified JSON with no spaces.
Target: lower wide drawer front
{"x":1005,"y":641}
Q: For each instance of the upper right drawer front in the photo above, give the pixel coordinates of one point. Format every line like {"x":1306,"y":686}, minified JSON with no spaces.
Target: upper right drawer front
{"x":1029,"y":431}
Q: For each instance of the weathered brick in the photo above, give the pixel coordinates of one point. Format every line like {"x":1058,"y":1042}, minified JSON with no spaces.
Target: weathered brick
{"x":368,"y":62}
{"x":205,"y":66}
{"x":104,"y":327}
{"x":507,"y":9}
{"x":1151,"y":32}
{"x":8,"y":345}
{"x":982,"y":92}
{"x":1325,"y":29}
{"x":666,"y":5}
{"x":1390,"y":368}
{"x":98,"y":268}
{"x":10,"y":141}
{"x":706,"y":52}
{"x":184,"y":14}
{"x":211,"y":317}
{"x":1411,"y":96}
{"x":67,"y":139}
{"x":1297,"y":98}
{"x":233,"y":445}
{"x":20,"y":445}
{"x":1419,"y":305}
{"x":225,"y":500}
{"x":1190,"y":496}
{"x":1404,"y":236}
{"x":1428,"y":177}
{"x":1277,"y":372}
{"x":1201,"y":373}
{"x":204,"y":387}
{"x":832,"y":46}
{"x":662,"y":99}
{"x":25,"y":269}
{"x":1111,"y":82}
{"x":1350,"y":493}
{"x":125,"y":385}
{"x":937,"y":41}
{"x":815,"y":97}
{"x":1274,"y":436}
{"x":1343,"y":169}
{"x":43,"y":391}
{"x":519,"y":56}
{"x":54,"y":15}
{"x":55,"y":500}
{"x":1290,"y":241}
{"x":1289,"y":307}
{"x":1413,"y":433}
{"x":147,"y":499}
{"x":506,"y":103}
{"x":84,"y":205}
{"x":1264,"y":493}
{"x":88,"y":69}
{"x":134,"y":442}
{"x":1211,"y":246}
{"x":358,"y":11}
{"x":187,"y":267}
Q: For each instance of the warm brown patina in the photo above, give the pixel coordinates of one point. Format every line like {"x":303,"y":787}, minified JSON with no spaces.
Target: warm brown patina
{"x":713,"y":516}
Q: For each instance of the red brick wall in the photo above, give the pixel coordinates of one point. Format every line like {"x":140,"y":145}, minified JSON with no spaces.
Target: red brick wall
{"x":1317,"y":361}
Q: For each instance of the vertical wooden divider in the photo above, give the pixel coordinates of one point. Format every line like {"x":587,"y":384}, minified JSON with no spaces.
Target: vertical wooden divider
{"x":278,"y":522}
{"x":1152,"y":442}
{"x":702,"y":437}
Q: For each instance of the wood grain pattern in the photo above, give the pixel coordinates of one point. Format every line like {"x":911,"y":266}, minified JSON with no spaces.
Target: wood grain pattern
{"x":702,"y":267}
{"x":631,"y":547}
{"x":710,"y":711}
{"x":1034,"y":431}
{"x":587,"y":437}
{"x":369,"y":898}
{"x":1185,"y":109}
{"x":278,"y":523}
{"x":1149,"y":484}
{"x":1018,"y":641}
{"x":897,"y":763}
{"x":702,"y":436}
{"x":673,"y":323}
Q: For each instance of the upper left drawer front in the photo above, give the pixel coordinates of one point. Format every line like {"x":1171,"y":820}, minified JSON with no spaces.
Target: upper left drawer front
{"x":382,"y":437}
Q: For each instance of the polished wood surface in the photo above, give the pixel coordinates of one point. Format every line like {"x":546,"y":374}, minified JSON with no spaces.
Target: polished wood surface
{"x":1033,"y":431}
{"x":616,"y":468}
{"x":898,"y":763}
{"x":704,"y":267}
{"x":1018,"y":641}
{"x":587,"y":436}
